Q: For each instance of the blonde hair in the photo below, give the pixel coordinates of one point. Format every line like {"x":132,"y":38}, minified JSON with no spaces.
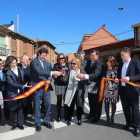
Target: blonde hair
{"x":78,"y":63}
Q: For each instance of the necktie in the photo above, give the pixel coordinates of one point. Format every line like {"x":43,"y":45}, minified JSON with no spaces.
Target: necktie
{"x":91,"y":64}
{"x":42,"y":65}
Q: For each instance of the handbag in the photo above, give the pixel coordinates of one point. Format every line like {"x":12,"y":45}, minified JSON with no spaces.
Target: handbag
{"x":1,"y":97}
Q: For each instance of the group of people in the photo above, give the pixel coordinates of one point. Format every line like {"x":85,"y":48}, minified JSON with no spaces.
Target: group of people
{"x":72,"y":80}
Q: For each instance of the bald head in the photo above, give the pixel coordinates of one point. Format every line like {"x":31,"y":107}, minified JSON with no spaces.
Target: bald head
{"x":24,"y":60}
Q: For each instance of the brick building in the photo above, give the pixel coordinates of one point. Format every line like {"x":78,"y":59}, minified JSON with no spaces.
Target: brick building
{"x":16,"y":43}
{"x":98,"y":38}
{"x":45,"y":44}
{"x":112,"y":49}
{"x":70,"y":56}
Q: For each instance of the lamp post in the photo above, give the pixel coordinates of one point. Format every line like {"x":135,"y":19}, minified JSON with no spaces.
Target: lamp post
{"x":121,"y":8}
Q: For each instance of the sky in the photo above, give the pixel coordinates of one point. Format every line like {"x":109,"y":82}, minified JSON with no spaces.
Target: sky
{"x":66,"y":21}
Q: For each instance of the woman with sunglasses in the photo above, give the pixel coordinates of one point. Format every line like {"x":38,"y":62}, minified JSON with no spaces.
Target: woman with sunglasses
{"x":61,"y":83}
{"x":75,"y":91}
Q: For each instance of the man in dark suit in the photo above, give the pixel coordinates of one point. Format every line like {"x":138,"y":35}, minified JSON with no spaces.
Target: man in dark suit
{"x":129,"y":70}
{"x":39,"y":71}
{"x":24,"y":60}
{"x":93,"y":70}
{"x":50,"y":88}
{"x":81,"y":56}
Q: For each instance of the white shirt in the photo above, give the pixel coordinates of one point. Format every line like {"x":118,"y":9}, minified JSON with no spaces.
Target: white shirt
{"x":15,"y":70}
{"x":124,"y":70}
{"x":24,"y":66}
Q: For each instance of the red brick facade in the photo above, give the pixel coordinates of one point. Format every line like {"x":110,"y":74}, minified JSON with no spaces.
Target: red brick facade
{"x":98,"y":38}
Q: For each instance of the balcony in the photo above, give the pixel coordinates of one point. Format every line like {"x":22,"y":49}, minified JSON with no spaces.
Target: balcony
{"x":2,"y":49}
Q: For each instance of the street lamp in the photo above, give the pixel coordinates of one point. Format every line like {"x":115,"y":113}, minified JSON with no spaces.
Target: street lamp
{"x":121,"y":8}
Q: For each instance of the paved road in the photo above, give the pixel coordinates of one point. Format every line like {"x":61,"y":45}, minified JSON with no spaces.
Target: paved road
{"x":61,"y":131}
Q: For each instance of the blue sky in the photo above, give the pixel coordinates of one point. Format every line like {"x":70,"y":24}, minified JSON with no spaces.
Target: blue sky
{"x":68,"y":20}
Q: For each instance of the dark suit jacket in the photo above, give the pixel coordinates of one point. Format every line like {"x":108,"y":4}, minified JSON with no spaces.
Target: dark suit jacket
{"x":12,"y":88}
{"x":133,"y":71}
{"x":37,"y":72}
{"x":84,"y":63}
{"x":94,"y":72}
{"x":21,"y":67}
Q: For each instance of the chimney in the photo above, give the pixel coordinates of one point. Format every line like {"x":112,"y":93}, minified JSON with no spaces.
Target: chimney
{"x":12,"y":22}
{"x":103,"y":26}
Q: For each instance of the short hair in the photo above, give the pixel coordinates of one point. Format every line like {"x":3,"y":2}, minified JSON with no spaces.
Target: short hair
{"x":65,"y":60}
{"x":77,"y":61}
{"x":23,"y":56}
{"x":96,"y":51}
{"x":126,"y":50}
{"x":81,"y":53}
{"x":112,"y":60}
{"x":42,"y":50}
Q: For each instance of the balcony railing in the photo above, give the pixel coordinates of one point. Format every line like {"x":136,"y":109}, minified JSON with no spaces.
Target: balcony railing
{"x":2,"y":49}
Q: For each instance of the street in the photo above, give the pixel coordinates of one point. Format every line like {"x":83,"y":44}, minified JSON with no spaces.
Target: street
{"x":61,"y":131}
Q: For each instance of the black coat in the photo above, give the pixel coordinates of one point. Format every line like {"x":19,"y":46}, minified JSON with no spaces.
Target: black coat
{"x":58,"y":80}
{"x":133,"y":71}
{"x":94,"y":72}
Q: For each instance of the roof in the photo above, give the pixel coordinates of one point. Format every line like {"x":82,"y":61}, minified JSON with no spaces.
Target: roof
{"x":119,"y":44}
{"x":7,"y":25}
{"x":44,"y":42}
{"x":10,"y":32}
{"x":136,"y":25}
{"x":102,"y":28}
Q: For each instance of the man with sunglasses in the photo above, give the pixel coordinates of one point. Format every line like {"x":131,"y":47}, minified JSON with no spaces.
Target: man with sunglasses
{"x":93,"y":70}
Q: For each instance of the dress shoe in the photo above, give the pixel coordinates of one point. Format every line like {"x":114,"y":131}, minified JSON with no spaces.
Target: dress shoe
{"x":88,"y":117}
{"x":13,"y":127}
{"x":137,"y":133}
{"x":38,"y":128}
{"x":95,"y":120}
{"x":112,"y":122}
{"x":48,"y":125}
{"x":58,"y":118}
{"x":21,"y":127}
{"x":126,"y":127}
{"x":107,"y":123}
{"x":69,"y":123}
{"x":79,"y":122}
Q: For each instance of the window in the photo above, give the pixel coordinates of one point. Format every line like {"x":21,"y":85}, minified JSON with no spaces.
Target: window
{"x":2,"y":44}
{"x":139,"y":37}
{"x":24,"y":47}
{"x":13,"y":45}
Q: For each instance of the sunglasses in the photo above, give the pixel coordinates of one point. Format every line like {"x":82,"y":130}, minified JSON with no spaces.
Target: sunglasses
{"x":62,"y":58}
{"x":73,"y":63}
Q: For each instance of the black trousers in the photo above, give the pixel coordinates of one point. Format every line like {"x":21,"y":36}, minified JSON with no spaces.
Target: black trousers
{"x":95,"y":107}
{"x":17,"y":115}
{"x":28,"y":109}
{"x":79,"y":109}
{"x":130,"y":109}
